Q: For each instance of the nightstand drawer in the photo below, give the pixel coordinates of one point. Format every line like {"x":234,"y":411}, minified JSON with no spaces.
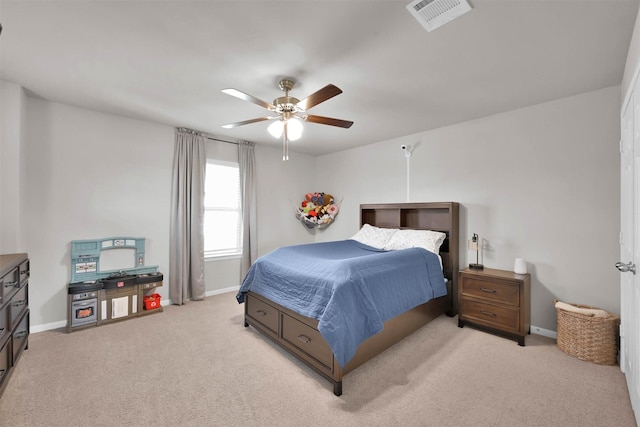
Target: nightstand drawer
{"x":497,"y":316}
{"x":496,"y":291}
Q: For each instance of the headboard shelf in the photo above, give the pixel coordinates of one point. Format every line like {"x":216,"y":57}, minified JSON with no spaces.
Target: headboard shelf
{"x":437,"y":216}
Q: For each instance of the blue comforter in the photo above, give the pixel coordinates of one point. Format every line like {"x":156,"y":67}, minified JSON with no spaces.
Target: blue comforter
{"x":350,"y":288}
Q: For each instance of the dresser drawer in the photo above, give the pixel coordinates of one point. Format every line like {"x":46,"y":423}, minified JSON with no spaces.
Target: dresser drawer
{"x":262,"y":313}
{"x":18,"y":305}
{"x":20,"y":336}
{"x":23,"y":271}
{"x":5,"y":361}
{"x":9,"y":284}
{"x":497,"y":316}
{"x":307,"y":339}
{"x":5,"y":330}
{"x":496,"y":291}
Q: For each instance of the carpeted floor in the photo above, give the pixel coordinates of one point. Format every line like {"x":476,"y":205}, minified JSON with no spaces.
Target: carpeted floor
{"x":196,"y":365}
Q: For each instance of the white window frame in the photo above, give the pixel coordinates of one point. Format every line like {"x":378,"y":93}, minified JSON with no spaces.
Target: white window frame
{"x":229,"y":253}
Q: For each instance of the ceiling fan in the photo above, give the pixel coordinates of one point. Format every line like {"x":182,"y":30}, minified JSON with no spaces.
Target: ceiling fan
{"x":290,"y":112}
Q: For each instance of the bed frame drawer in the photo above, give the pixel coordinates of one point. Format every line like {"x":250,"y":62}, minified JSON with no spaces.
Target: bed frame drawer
{"x":262,"y":313}
{"x":307,"y":339}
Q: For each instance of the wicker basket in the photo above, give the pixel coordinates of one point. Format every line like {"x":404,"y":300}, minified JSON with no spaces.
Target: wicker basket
{"x":589,"y":338}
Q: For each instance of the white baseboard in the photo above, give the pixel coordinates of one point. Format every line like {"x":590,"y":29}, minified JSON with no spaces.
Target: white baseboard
{"x":222,"y":291}
{"x":209,"y":293}
{"x":544,"y":332}
{"x":48,"y":326}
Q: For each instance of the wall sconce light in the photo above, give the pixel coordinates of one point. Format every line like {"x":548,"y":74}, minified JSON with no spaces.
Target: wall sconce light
{"x":474,"y":246}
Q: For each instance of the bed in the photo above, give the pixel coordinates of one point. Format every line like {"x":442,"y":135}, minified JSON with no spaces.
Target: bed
{"x":303,"y":325}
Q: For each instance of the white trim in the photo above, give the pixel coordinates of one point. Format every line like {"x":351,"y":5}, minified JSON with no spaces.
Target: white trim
{"x":632,"y":83}
{"x":48,"y":326}
{"x":209,"y":258}
{"x":234,"y":289}
{"x":222,"y":291}
{"x":544,"y":332}
{"x":34,"y":329}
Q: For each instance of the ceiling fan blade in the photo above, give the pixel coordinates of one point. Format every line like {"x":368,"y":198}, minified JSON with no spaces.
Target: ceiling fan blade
{"x":247,"y":122}
{"x":329,"y":121}
{"x":250,"y":98}
{"x":327,"y":92}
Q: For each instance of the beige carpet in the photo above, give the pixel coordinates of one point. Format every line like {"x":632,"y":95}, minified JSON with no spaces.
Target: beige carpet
{"x":196,"y":365}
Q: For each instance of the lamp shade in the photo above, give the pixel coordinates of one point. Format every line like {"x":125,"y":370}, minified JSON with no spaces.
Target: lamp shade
{"x":275,"y":128}
{"x":294,"y":129}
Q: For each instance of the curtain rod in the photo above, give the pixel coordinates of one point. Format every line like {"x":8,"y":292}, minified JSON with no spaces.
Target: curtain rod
{"x":220,"y":140}
{"x":213,"y":138}
{"x":241,"y":142}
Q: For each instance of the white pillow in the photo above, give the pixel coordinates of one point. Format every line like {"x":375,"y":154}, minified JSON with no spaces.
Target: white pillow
{"x":376,"y":237}
{"x":427,"y":239}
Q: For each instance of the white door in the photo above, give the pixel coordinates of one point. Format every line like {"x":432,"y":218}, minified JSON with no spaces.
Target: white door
{"x":630,"y":245}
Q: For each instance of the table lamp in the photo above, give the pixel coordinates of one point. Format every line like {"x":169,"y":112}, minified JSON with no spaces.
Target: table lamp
{"x":473,"y":246}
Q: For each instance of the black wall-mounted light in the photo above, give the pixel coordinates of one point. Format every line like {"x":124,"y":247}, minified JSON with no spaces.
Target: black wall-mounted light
{"x":474,"y":246}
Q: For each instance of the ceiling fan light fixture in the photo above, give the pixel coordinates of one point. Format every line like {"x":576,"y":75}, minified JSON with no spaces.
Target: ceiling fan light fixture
{"x":294,"y":129}
{"x":290,"y":112}
{"x":276,"y":128}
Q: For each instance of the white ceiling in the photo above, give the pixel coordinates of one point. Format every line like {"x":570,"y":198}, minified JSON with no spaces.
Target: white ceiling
{"x":167,"y":61}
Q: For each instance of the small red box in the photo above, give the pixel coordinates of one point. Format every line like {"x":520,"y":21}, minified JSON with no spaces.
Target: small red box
{"x":152,"y":302}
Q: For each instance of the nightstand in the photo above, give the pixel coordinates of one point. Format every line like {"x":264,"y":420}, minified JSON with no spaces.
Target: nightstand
{"x":497,"y":300}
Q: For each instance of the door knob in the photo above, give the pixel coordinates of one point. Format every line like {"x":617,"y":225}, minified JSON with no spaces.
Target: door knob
{"x":626,"y":267}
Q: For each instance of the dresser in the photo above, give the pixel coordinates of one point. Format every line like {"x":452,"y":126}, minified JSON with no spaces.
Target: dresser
{"x":14,"y":312}
{"x":496,"y":300}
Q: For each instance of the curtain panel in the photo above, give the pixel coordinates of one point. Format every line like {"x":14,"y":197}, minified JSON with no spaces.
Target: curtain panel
{"x":248,"y":194}
{"x":186,"y":265}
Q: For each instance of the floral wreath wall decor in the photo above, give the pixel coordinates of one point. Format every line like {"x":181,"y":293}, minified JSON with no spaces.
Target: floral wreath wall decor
{"x":317,"y":210}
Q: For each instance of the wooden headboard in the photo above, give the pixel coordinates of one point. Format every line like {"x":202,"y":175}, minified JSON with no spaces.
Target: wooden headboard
{"x":437,"y":216}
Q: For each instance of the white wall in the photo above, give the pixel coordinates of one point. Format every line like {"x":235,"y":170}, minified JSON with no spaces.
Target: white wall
{"x":540,"y":183}
{"x":89,"y":176}
{"x":12,"y":130}
{"x":633,"y":57}
{"x":281,"y":186}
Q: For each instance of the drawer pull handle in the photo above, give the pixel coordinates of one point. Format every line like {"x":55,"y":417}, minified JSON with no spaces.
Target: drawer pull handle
{"x":11,"y":284}
{"x":20,"y":334}
{"x":1,"y":331}
{"x":305,"y":339}
{"x":261,"y":312}
{"x":488,"y":313}
{"x":490,"y":291}
{"x":19,"y":303}
{"x":24,"y":271}
{"x":2,"y":371}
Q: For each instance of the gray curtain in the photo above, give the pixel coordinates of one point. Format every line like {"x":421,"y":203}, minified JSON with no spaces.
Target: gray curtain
{"x":186,"y":265}
{"x":246,"y":162}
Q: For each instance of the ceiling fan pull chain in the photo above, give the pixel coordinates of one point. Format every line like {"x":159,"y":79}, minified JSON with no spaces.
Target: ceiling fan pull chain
{"x":285,"y":144}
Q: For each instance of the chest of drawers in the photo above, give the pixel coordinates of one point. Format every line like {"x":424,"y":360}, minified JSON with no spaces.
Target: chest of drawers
{"x":14,"y":312}
{"x":497,"y":300}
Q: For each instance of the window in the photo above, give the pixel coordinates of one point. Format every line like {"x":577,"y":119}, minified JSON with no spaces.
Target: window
{"x":222,"y":210}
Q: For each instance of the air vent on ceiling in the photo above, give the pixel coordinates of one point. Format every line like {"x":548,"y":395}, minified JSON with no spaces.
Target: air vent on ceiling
{"x":435,"y":13}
